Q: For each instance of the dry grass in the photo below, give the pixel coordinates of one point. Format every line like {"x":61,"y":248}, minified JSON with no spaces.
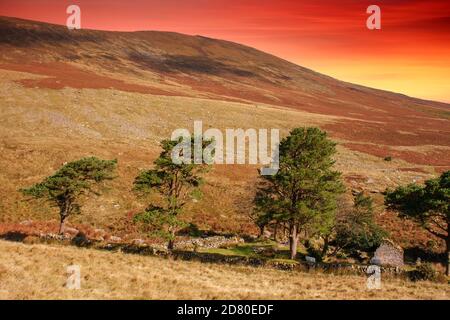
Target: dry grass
{"x":40,"y":129}
{"x":39,"y":272}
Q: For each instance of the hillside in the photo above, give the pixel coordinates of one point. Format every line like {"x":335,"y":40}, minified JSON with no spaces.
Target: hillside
{"x":67,"y":94}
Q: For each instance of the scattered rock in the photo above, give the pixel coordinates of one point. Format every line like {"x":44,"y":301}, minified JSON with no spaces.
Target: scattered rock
{"x":53,"y":236}
{"x":115,"y":239}
{"x":138,"y":242}
{"x":310,"y":260}
{"x":26,"y":223}
{"x":209,"y":242}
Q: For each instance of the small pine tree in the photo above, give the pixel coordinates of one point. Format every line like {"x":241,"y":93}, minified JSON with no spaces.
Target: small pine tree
{"x":66,"y":187}
{"x":175,"y":184}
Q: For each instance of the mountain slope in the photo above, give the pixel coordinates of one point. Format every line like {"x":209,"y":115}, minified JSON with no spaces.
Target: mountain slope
{"x":165,"y":63}
{"x":67,"y":94}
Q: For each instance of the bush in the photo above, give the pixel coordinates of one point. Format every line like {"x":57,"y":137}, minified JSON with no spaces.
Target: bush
{"x":81,"y":240}
{"x":388,"y":158}
{"x":356,"y":228}
{"x":424,"y":271}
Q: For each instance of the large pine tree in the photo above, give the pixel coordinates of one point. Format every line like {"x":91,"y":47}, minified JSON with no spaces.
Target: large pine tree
{"x":304,"y":191}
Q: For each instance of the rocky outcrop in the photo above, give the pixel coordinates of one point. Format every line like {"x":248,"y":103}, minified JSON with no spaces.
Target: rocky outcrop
{"x":388,"y":254}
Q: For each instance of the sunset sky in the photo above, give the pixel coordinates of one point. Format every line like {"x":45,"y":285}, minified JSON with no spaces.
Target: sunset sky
{"x":410,"y":54}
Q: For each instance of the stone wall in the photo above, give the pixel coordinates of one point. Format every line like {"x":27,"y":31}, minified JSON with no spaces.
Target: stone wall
{"x":143,"y":249}
{"x":208,"y":242}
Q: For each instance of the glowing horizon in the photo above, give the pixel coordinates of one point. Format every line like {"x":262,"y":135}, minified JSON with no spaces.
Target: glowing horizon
{"x":410,"y":54}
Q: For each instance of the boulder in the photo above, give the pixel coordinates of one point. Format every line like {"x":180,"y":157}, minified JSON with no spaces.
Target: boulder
{"x":115,"y":239}
{"x":388,"y":254}
{"x":310,"y":260}
{"x":138,"y":242}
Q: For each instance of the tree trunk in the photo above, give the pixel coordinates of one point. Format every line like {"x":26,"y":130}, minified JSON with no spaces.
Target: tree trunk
{"x":170,"y":245}
{"x":62,"y":224}
{"x":448,"y":261}
{"x":293,"y":240}
{"x":447,"y":270}
{"x":275,"y":231}
{"x":261,"y":231}
{"x":325,"y":246}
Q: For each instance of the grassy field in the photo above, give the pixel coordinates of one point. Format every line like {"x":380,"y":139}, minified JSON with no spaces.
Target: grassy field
{"x":39,"y":272}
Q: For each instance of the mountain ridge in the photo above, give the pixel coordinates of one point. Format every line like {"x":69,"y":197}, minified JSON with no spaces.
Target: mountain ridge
{"x":57,"y":30}
{"x":174,"y":64}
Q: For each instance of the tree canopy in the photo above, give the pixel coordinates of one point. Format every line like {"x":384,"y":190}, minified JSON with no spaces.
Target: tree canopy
{"x":66,"y":186}
{"x":175,"y":184}
{"x":429,"y":205}
{"x":303,"y":193}
{"x":356,"y":228}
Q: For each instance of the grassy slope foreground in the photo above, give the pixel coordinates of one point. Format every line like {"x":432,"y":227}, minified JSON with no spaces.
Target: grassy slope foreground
{"x":39,"y":272}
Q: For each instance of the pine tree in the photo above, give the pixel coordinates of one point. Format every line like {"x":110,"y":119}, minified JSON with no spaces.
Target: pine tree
{"x":305,"y":188}
{"x":175,"y":184}
{"x":66,"y":187}
{"x":428,"y":205}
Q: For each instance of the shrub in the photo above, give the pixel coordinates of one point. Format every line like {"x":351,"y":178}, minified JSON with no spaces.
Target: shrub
{"x":424,"y":271}
{"x":356,"y":228}
{"x":388,"y":158}
{"x":428,"y":204}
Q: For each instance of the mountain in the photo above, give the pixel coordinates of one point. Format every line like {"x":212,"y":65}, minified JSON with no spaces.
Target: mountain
{"x":65,"y":94}
{"x":167,"y":63}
